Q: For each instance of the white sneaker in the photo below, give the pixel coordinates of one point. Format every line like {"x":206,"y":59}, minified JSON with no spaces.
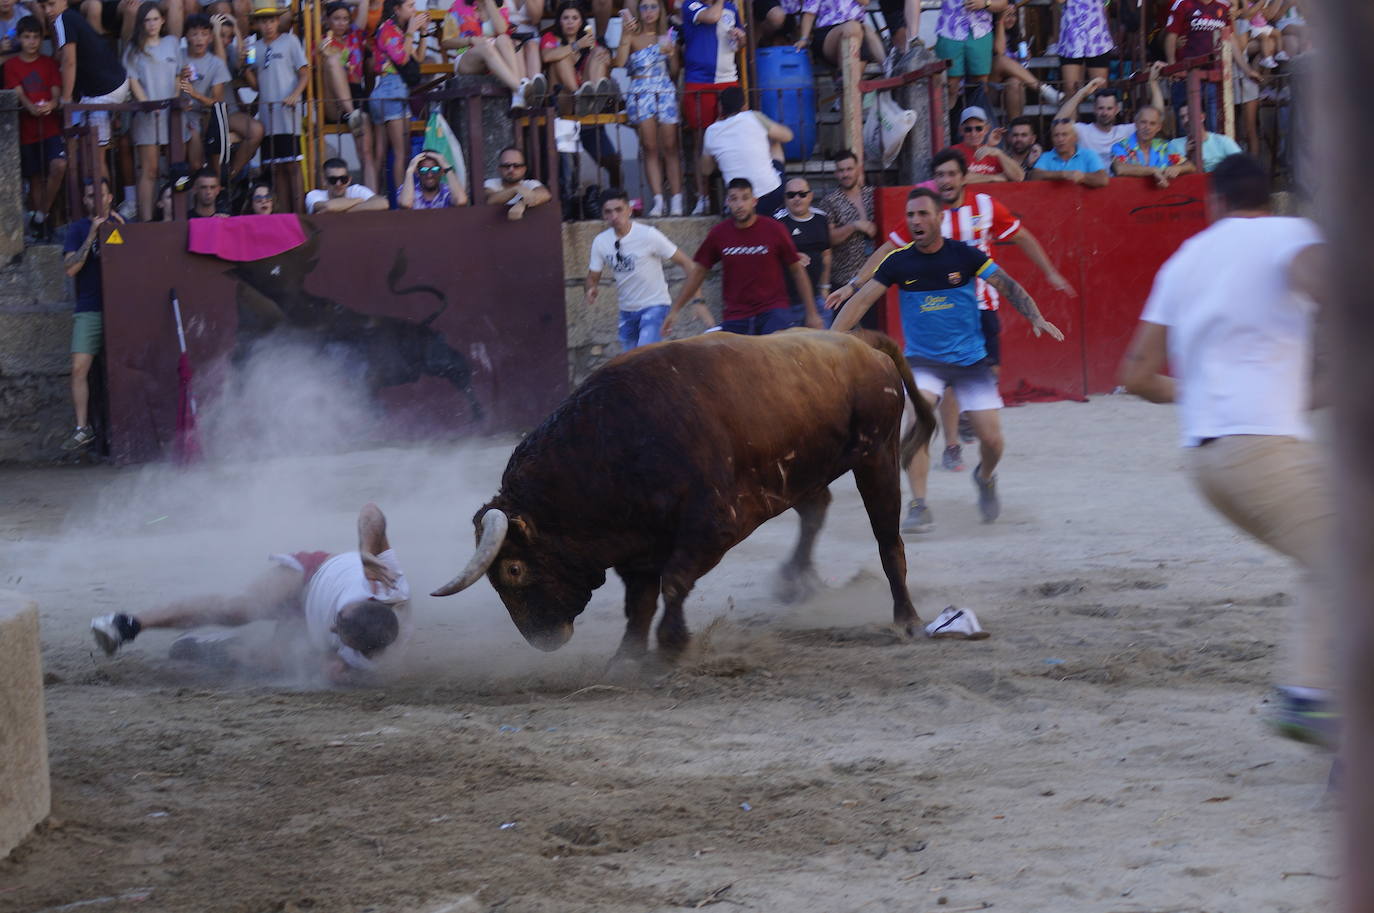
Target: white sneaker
{"x":1051,"y":94}
{"x":536,"y":91}
{"x":956,"y":623}
{"x":1268,"y":63}
{"x":700,"y":208}
{"x":657,"y":211}
{"x":128,"y":210}
{"x":1282,"y":56}
{"x":111,"y":631}
{"x":675,"y":205}
{"x":517,"y":98}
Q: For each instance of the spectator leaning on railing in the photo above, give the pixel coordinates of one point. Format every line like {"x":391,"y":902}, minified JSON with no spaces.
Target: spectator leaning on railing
{"x":42,"y":154}
{"x":710,"y":37}
{"x":511,"y":188}
{"x":205,"y":202}
{"x":1023,"y":146}
{"x":91,"y":71}
{"x":1145,"y":153}
{"x":986,"y":162}
{"x":339,"y":194}
{"x":1198,"y":25}
{"x":153,"y":62}
{"x":280,"y":74}
{"x":1069,"y":161}
{"x":1215,"y":146}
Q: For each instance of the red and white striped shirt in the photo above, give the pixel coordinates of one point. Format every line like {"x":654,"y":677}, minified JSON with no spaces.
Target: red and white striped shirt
{"x":980,"y":221}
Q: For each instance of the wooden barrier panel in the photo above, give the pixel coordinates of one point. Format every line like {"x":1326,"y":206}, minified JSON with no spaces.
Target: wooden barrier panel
{"x":1108,"y":243}
{"x":455,"y":317}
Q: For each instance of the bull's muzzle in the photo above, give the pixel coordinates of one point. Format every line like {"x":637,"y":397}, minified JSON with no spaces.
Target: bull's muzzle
{"x":550,"y":639}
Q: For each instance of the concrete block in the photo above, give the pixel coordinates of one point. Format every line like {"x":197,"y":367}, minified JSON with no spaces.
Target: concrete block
{"x":36,"y":277}
{"x":35,"y":342}
{"x":25,"y":794}
{"x":11,"y":184}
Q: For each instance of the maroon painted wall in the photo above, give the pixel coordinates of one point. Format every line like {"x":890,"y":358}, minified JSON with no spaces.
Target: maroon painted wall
{"x":1108,"y":243}
{"x":504,"y":319}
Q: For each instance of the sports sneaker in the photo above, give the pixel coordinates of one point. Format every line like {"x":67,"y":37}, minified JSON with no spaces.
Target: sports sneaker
{"x":206,"y":649}
{"x":111,"y":631}
{"x":536,"y":91}
{"x":675,"y":205}
{"x":988,"y":505}
{"x":919,"y":519}
{"x":957,"y":623}
{"x":128,"y":210}
{"x":81,"y":438}
{"x":517,"y":98}
{"x":1051,"y":94}
{"x":966,"y":429}
{"x":953,"y":458}
{"x":1315,"y":721}
{"x":608,"y":90}
{"x":355,"y":122}
{"x":700,"y":208}
{"x":584,"y":100}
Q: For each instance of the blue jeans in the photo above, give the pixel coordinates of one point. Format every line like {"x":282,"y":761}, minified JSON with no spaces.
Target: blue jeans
{"x":641,"y":327}
{"x":827,"y":315}
{"x":388,"y":99}
{"x":761,"y":324}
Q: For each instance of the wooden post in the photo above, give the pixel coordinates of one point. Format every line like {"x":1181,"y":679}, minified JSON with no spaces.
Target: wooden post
{"x":851,"y":99}
{"x":1228,"y":87}
{"x":1343,"y":29}
{"x":1197,"y":115}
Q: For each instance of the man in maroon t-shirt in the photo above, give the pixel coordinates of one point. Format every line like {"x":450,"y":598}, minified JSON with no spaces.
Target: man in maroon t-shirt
{"x":753,"y":251}
{"x":1199,"y":23}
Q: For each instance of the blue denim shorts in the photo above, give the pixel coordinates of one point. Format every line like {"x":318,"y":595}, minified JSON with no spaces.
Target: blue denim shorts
{"x":388,"y":99}
{"x":641,"y":327}
{"x":770,"y":321}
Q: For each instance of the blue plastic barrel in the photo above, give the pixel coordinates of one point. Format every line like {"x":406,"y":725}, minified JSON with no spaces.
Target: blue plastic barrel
{"x":787,"y":94}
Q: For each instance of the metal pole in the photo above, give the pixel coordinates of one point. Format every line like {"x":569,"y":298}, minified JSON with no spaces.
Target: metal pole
{"x":1197,"y":123}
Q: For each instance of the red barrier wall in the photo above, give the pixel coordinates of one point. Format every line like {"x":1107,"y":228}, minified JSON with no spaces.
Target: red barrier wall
{"x":1107,"y":242}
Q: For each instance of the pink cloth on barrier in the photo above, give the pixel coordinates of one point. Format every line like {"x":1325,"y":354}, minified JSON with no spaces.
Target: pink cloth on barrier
{"x":241,"y":238}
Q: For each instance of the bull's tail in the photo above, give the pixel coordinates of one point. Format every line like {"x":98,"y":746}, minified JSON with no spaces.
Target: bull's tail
{"x":923,"y":429}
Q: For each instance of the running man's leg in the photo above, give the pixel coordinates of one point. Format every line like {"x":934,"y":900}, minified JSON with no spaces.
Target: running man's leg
{"x":987,"y":427}
{"x":918,"y":472}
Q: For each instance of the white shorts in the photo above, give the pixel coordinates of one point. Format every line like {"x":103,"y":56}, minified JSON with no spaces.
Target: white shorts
{"x":975,"y":385}
{"x":100,"y":120}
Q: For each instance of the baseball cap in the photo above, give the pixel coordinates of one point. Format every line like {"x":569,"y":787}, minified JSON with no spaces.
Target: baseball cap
{"x":971,"y":112}
{"x":267,"y":11}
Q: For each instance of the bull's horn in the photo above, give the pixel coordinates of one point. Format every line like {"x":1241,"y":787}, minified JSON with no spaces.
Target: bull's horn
{"x":494,"y":526}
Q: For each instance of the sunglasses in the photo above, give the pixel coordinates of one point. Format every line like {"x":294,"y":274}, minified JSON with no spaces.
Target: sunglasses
{"x":512,"y":164}
{"x":973,"y":129}
{"x":430,"y":169}
{"x":262,"y":198}
{"x":793,"y":194}
{"x":336,"y":179}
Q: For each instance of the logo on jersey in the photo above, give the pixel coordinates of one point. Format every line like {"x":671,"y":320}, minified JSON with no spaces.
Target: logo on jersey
{"x":745,"y":250}
{"x":955,"y":278}
{"x":796,"y":231}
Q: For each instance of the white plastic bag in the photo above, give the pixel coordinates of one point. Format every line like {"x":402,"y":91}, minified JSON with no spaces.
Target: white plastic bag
{"x":565,"y":135}
{"x":885,"y":128}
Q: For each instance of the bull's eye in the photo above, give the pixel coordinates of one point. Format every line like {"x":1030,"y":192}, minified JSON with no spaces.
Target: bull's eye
{"x":513,"y":572}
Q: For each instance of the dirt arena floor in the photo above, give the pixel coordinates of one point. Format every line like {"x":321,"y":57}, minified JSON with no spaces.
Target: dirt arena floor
{"x":1103,"y":751}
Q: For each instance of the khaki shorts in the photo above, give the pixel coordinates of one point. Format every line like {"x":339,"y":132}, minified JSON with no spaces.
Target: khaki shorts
{"x":88,"y":332}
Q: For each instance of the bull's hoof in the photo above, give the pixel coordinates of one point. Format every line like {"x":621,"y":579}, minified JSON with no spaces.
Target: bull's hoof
{"x":793,"y":586}
{"x":625,"y":669}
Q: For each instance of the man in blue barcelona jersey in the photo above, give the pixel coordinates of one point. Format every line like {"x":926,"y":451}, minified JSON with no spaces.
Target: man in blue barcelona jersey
{"x":944,"y":338}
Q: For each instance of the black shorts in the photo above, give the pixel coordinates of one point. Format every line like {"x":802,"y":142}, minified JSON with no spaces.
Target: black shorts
{"x":894,"y":14}
{"x":762,"y":7}
{"x":358,"y":93}
{"x":279,"y":148}
{"x":1100,"y":62}
{"x":992,"y":336}
{"x":34,"y":158}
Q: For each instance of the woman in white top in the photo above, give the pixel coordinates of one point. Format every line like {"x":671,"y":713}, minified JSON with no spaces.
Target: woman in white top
{"x":153,"y":59}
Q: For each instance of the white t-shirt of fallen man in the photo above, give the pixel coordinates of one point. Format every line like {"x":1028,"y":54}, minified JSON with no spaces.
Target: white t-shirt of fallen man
{"x":636,"y":262}
{"x":339,"y":583}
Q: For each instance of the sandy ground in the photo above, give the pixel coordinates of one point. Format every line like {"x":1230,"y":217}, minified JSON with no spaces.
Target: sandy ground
{"x":1102,"y":751}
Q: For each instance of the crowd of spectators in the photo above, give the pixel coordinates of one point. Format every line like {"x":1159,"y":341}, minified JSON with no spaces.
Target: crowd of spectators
{"x":243,"y":73}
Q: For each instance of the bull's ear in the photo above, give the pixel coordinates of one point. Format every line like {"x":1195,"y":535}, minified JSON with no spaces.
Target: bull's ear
{"x":523,"y":526}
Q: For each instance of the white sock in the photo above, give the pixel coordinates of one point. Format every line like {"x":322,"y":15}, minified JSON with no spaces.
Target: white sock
{"x":40,"y":217}
{"x":658,"y":201}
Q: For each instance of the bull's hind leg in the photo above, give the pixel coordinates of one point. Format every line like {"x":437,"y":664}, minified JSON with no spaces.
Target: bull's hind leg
{"x":880,"y":487}
{"x":797,"y":579}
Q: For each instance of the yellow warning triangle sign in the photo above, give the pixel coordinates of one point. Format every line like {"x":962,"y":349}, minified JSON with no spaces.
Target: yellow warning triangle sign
{"x":114,"y":238}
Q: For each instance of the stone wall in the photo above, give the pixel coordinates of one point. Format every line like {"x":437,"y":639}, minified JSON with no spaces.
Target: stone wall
{"x":35,"y":359}
{"x":25,"y":792}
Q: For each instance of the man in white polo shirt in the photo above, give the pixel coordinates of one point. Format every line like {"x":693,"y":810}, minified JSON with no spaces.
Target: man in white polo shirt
{"x":635,"y":253}
{"x":342,"y":611}
{"x":1232,"y":313}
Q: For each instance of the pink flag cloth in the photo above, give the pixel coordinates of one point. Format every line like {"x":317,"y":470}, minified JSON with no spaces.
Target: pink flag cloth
{"x":241,"y":238}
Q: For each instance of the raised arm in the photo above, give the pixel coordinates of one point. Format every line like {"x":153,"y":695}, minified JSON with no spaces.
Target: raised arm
{"x":777,"y":133}
{"x":1020,"y":299}
{"x":711,"y":15}
{"x":1069,"y":109}
{"x":372,"y":530}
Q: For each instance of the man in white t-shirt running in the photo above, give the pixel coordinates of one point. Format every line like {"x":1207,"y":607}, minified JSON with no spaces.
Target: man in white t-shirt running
{"x":1232,"y":313}
{"x":635,"y":253}
{"x":344,"y":609}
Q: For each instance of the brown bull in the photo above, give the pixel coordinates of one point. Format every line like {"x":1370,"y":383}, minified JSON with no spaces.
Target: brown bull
{"x":670,"y":455}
